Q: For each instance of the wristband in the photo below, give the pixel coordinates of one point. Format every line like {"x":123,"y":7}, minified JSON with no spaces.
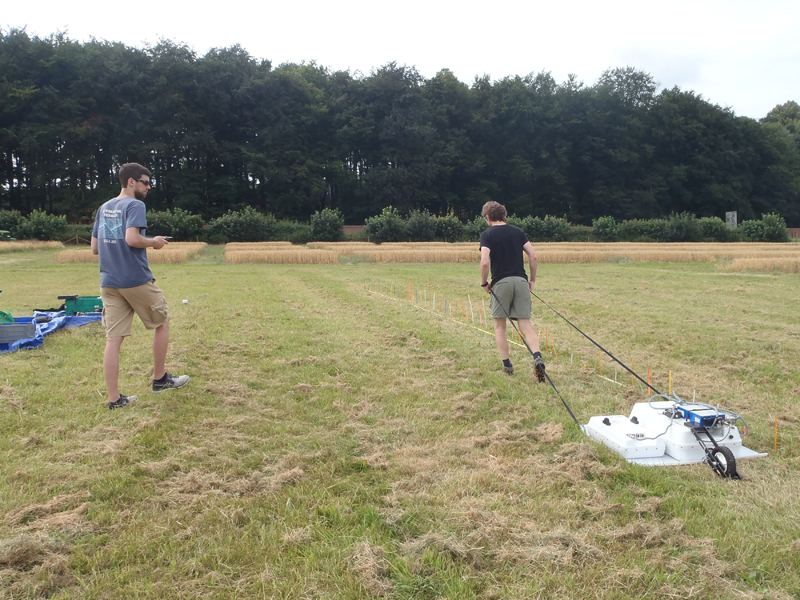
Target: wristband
{"x":484,"y":284}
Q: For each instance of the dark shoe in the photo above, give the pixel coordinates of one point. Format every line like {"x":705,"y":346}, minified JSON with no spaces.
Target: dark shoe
{"x":122,"y":402}
{"x":538,"y":365}
{"x":170,"y":382}
{"x":508,"y":370}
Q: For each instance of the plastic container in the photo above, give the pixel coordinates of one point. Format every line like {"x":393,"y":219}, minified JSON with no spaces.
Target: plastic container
{"x":74,"y":305}
{"x":21,"y":329}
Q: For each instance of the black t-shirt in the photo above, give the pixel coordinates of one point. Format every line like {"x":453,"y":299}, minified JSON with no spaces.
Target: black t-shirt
{"x":505,"y":243}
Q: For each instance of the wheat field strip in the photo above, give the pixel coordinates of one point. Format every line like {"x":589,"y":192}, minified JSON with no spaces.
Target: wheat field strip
{"x":282,"y":256}
{"x":175,"y":252}
{"x":23,"y":245}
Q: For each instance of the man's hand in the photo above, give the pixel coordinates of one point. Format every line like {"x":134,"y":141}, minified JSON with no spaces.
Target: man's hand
{"x":159,"y":242}
{"x":531,"y":283}
{"x":488,"y":288}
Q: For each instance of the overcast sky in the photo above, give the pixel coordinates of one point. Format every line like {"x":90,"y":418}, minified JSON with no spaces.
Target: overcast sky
{"x":740,"y":54}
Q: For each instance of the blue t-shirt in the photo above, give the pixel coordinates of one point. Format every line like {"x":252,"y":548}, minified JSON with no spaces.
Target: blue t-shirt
{"x":121,"y":266}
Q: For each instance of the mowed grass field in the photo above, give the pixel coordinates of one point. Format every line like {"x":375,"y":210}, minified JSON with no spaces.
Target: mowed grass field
{"x":335,"y":442}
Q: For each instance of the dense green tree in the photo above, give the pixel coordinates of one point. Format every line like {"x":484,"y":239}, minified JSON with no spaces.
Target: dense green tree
{"x":225,"y":131}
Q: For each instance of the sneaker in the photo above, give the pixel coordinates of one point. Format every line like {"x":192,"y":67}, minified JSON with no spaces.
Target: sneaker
{"x":170,"y":382}
{"x":122,"y":402}
{"x":508,"y":370}
{"x":538,"y":365}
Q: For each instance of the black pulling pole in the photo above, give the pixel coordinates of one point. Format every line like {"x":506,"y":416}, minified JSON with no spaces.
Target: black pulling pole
{"x":550,"y":381}
{"x":614,"y":358}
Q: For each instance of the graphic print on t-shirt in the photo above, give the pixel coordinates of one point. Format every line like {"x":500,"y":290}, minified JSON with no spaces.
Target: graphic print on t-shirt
{"x":111,"y":226}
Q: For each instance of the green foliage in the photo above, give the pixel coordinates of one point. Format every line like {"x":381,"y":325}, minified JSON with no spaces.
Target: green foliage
{"x":473,"y":229}
{"x":327,"y":226}
{"x":580,"y":233}
{"x":556,"y":229}
{"x":186,"y":226}
{"x":605,"y":229}
{"x":449,"y":228}
{"x":421,"y":226}
{"x":386,"y":227}
{"x":714,"y":229}
{"x":40,"y":226}
{"x":10,"y":220}
{"x":774,"y":228}
{"x":642,"y":230}
{"x":80,"y":231}
{"x":549,"y":229}
{"x":683,"y":227}
{"x":178,"y":223}
{"x":771,"y":228}
{"x":301,"y":233}
{"x":159,"y":222}
{"x":247,"y":225}
{"x":752,"y":231}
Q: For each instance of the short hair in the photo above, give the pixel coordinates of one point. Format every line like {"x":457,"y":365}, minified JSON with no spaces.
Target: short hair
{"x":495,"y":211}
{"x":134,"y":170}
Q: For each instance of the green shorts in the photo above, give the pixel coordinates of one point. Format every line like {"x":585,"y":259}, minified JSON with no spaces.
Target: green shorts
{"x":514,"y":294}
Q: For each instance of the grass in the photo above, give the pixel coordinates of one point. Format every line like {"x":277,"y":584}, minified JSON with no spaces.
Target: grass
{"x":335,"y":442}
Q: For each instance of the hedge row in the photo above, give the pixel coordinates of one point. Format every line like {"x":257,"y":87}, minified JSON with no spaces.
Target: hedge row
{"x":249,"y":225}
{"x":685,"y":227}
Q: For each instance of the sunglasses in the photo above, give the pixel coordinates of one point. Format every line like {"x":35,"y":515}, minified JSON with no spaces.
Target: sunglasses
{"x":146,"y":182}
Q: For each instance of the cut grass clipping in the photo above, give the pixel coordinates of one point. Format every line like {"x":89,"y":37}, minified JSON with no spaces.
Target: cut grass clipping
{"x":174,"y":252}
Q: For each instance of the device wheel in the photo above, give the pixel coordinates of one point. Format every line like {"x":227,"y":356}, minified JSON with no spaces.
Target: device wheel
{"x":724,"y":462}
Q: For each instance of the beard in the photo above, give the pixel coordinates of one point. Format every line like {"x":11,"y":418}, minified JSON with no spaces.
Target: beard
{"x":139,"y":195}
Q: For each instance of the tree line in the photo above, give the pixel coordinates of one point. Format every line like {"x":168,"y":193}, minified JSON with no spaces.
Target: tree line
{"x":225,"y":131}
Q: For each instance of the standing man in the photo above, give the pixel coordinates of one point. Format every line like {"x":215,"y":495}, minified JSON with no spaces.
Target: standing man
{"x":502,"y":246}
{"x":126,"y":283}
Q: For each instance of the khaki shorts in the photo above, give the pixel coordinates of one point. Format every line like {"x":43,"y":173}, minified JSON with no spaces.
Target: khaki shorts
{"x":515,"y":295}
{"x":119,"y":304}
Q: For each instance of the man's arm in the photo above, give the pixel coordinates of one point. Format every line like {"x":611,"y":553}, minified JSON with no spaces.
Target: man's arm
{"x":534,"y":262}
{"x":135,"y":239}
{"x":95,"y":247}
{"x":485,"y":263}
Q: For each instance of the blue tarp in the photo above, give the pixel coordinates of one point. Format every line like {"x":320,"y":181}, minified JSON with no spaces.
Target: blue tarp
{"x":60,"y":320}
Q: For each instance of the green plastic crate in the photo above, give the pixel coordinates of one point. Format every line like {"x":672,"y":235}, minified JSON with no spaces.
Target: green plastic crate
{"x":74,"y":305}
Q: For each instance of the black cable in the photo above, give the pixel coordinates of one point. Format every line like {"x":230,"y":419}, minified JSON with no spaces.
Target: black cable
{"x":624,"y":366}
{"x":531,"y":351}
